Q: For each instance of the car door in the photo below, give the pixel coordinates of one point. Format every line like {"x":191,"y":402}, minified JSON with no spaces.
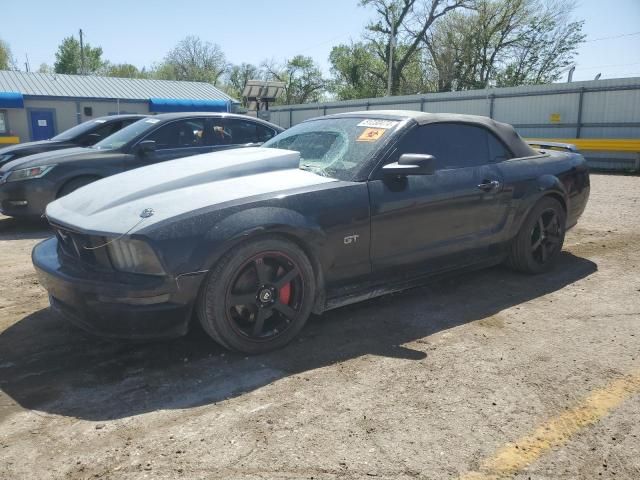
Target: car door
{"x":444,"y":220}
{"x":177,"y":139}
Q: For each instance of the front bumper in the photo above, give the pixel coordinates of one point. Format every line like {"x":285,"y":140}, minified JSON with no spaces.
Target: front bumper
{"x":117,"y":305}
{"x":26,"y":198}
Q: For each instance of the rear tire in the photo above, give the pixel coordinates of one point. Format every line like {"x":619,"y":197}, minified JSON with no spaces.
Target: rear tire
{"x":75,"y":184}
{"x":539,"y":242}
{"x":258,"y":297}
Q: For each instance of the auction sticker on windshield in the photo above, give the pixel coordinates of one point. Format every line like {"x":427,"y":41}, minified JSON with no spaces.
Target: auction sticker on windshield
{"x":373,"y":123}
{"x":371,"y":134}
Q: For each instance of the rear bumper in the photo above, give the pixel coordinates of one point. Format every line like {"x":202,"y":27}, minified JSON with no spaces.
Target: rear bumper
{"x":27,"y":198}
{"x":128,"y":306}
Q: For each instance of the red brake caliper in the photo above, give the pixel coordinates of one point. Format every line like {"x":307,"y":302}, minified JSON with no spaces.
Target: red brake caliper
{"x":285,"y":293}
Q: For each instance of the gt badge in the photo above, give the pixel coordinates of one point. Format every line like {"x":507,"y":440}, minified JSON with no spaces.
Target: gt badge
{"x":349,"y":239}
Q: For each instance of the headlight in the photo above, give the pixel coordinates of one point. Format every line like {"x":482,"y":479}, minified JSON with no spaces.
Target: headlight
{"x":134,"y":256}
{"x":29,"y":173}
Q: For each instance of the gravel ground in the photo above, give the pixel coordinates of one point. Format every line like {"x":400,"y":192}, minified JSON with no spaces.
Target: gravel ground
{"x":431,"y":383}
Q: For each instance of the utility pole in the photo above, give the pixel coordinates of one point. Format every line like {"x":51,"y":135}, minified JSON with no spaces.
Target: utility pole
{"x":26,"y":63}
{"x":392,"y":44}
{"x":81,"y":54}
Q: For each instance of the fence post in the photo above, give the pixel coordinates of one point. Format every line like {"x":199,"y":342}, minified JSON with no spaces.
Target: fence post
{"x":492,"y":98}
{"x":366,"y":106}
{"x":579,"y":123}
{"x":324,"y":110}
{"x":290,"y":117}
{"x":422,"y":104}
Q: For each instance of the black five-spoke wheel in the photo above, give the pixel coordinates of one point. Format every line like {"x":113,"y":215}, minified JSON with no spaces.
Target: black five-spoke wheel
{"x":265,"y":296}
{"x":258,"y":296}
{"x":546,"y":236}
{"x":539,"y":241}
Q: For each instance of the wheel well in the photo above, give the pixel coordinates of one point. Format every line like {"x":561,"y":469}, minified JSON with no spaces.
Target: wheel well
{"x":559,"y":198}
{"x":74,"y":179}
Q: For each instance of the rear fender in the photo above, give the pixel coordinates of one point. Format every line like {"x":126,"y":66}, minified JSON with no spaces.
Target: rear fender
{"x":545,"y":185}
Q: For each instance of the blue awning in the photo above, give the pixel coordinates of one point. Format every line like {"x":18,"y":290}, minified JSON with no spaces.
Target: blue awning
{"x":11,"y":100}
{"x":187,"y":105}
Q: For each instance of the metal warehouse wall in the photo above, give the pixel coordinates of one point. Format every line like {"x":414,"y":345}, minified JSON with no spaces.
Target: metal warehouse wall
{"x":593,"y":109}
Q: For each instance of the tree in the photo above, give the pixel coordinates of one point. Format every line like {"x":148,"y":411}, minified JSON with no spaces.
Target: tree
{"x":238,"y":76}
{"x":123,"y":70}
{"x":7,"y":61}
{"x":302,"y":78}
{"x":547,"y":46}
{"x":45,"y":68}
{"x":69,"y":58}
{"x":194,"y":60}
{"x":509,"y":42}
{"x":357,"y":72}
{"x":409,"y":21}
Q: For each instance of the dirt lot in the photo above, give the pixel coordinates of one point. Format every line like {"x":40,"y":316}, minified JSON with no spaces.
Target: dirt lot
{"x":487,"y":375}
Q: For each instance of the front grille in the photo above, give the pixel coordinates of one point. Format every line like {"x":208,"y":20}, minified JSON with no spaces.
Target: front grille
{"x":78,"y":248}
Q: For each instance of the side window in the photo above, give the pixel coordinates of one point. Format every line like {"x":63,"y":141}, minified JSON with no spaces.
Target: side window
{"x":454,"y":145}
{"x":3,"y":121}
{"x":100,"y":133}
{"x":497,"y":151}
{"x":244,"y":131}
{"x":264,"y":133}
{"x":180,"y":134}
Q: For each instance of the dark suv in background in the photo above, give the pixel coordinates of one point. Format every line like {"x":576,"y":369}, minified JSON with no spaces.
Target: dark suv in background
{"x":27,"y":185}
{"x":83,"y":135}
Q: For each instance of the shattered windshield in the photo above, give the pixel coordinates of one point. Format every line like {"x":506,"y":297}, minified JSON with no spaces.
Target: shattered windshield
{"x":335,"y":147}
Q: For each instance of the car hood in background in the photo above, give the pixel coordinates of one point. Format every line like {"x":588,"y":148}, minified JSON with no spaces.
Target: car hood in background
{"x":116,"y":204}
{"x":21,"y":150}
{"x":55,"y":157}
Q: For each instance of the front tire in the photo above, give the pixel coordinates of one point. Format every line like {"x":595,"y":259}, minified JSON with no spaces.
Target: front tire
{"x":259,"y":296}
{"x":539,"y":242}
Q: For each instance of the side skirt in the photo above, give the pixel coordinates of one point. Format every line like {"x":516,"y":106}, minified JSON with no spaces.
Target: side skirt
{"x":366,"y":291}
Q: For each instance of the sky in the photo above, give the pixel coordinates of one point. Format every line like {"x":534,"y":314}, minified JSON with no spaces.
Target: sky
{"x":142,"y":31}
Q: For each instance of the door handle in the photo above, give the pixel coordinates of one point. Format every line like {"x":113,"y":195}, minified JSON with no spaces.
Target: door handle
{"x":489,"y":185}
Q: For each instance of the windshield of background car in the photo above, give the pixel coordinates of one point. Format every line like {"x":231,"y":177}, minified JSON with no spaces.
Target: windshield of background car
{"x":78,"y":130}
{"x":335,"y":147}
{"x":124,"y":136}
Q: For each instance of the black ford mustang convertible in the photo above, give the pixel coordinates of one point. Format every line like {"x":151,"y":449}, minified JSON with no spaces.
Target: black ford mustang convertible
{"x":330,"y":212}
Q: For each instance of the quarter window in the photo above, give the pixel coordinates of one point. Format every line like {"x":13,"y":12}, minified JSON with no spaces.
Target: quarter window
{"x":231,"y":131}
{"x":179,"y":134}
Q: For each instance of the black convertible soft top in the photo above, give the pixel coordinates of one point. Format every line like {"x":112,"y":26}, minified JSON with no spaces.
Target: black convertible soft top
{"x":503,"y":131}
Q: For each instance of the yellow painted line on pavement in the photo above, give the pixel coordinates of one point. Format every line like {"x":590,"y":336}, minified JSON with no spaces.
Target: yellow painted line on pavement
{"x":513,"y":457}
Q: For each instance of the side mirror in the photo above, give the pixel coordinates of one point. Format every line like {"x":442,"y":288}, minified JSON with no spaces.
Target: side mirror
{"x":146,"y":147}
{"x":411,"y":164}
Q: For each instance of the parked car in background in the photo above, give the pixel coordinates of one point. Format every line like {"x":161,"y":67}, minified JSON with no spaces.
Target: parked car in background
{"x":336,"y":210}
{"x":28,"y":185}
{"x":83,"y":135}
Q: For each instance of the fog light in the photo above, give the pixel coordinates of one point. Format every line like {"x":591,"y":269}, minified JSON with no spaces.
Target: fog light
{"x":18,"y":203}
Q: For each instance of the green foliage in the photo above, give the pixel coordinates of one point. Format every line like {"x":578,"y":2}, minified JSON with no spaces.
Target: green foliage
{"x":123,"y":70}
{"x":238,"y":76}
{"x":504,"y":42}
{"x":6,"y":58}
{"x":68,"y":58}
{"x":303,"y":82}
